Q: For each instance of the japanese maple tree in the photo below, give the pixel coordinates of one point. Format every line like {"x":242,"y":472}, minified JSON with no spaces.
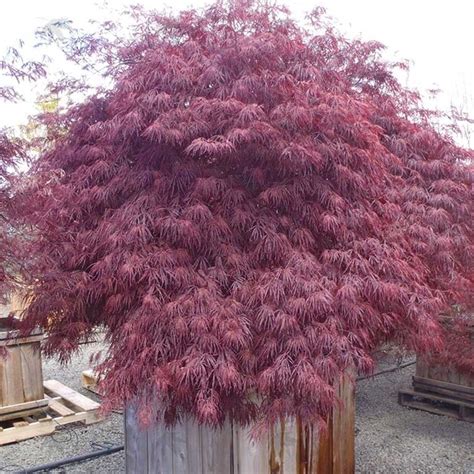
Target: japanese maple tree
{"x":249,"y":210}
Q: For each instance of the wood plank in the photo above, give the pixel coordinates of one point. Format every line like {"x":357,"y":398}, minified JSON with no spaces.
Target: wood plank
{"x":3,"y":381}
{"x":19,"y":341}
{"x":343,"y":432}
{"x":438,"y":372}
{"x":422,"y":368}
{"x":447,"y":385}
{"x":438,"y":398}
{"x":430,"y":389}
{"x":24,"y":406}
{"x":194,"y":456}
{"x":89,"y":378}
{"x":453,"y":413}
{"x":14,"y":434}
{"x":14,"y":379}
{"x":89,"y":381}
{"x":59,"y":408}
{"x":449,"y":408}
{"x":216,"y":445}
{"x":249,"y":455}
{"x":22,"y":414}
{"x":6,"y":332}
{"x":285,"y":443}
{"x":32,"y":372}
{"x":453,"y":376}
{"x":443,"y":388}
{"x":179,"y":445}
{"x":20,"y":424}
{"x":136,"y":444}
{"x":160,"y":449}
{"x":18,"y":303}
{"x":222,"y":439}
{"x":55,"y":388}
{"x":325,"y":449}
{"x":71,"y":418}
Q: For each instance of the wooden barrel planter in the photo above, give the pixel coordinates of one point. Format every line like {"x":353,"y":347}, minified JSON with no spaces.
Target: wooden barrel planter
{"x":21,"y":377}
{"x":288,"y":449}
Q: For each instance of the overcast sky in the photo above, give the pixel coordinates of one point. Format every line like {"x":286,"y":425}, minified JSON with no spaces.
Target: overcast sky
{"x":436,"y":36}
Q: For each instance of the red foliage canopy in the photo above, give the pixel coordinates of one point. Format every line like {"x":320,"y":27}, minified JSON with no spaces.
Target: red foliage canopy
{"x":250,"y":210}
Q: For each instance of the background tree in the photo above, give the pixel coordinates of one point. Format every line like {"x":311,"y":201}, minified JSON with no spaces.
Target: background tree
{"x":250,"y":209}
{"x":14,"y":70}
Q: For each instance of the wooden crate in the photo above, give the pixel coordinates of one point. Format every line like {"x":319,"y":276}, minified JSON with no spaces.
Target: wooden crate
{"x":441,"y":389}
{"x":64,"y":406}
{"x":21,"y":377}
{"x":288,"y":449}
{"x":442,"y":380}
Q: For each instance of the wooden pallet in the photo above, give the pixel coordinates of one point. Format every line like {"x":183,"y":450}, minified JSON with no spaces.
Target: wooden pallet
{"x":437,"y":404}
{"x":65,"y":406}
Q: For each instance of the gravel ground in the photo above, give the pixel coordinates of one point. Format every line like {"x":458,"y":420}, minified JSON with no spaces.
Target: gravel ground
{"x":394,"y":439}
{"x":389,"y":439}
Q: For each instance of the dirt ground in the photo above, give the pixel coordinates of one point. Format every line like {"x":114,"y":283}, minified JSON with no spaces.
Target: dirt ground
{"x":389,"y":438}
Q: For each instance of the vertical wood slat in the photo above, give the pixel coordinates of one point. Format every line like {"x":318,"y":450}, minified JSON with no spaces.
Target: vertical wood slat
{"x":32,"y":371}
{"x":249,"y":455}
{"x":289,"y":448}
{"x":136,"y":444}
{"x":343,"y":421}
{"x":160,"y":450}
{"x":21,"y":378}
{"x":325,"y":450}
{"x":3,"y":384}
{"x":422,"y":368}
{"x":14,"y":377}
{"x":438,"y":373}
{"x":453,"y":376}
{"x":193,"y":459}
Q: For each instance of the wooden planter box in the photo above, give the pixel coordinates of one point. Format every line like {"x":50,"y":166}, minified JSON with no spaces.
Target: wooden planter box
{"x":441,"y":390}
{"x":21,"y":377}
{"x":442,"y":380}
{"x":289,"y":449}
